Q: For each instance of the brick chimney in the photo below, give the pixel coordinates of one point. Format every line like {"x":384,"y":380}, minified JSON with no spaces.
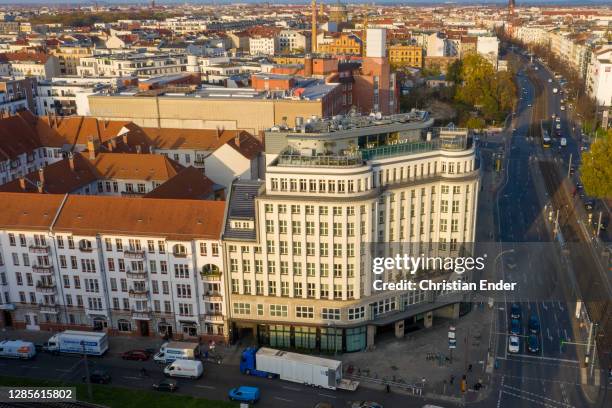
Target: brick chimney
{"x":41,"y":175}
{"x":71,"y":160}
{"x":22,"y":183}
{"x":125,"y":138}
{"x":92,"y":147}
{"x":237,"y":140}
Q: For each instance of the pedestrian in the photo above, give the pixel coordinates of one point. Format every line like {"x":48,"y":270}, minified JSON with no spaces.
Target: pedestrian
{"x":388,"y":387}
{"x":470,"y":368}
{"x":206,"y":354}
{"x":452,"y":379}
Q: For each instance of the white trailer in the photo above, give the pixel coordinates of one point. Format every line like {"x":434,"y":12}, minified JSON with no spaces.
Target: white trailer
{"x":78,"y":342}
{"x":303,"y":369}
{"x":17,"y":349}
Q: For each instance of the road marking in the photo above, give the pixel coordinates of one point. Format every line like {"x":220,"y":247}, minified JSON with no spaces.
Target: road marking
{"x":544,"y":306}
{"x":548,"y":334}
{"x":283,"y":399}
{"x":209,"y":387}
{"x":132,"y":378}
{"x":546,"y":358}
{"x":528,"y":399}
{"x":566,"y":336}
{"x":537,"y":395}
{"x":292,"y":388}
{"x":560,"y":306}
{"x":328,"y":396}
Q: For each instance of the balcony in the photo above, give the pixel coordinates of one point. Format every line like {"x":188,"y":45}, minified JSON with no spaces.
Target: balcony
{"x":178,"y":254}
{"x":85,"y":248}
{"x":141,"y":314}
{"x":212,"y":296}
{"x":48,"y":308}
{"x":140,"y":293}
{"x":134,"y":254}
{"x":39,"y":249}
{"x":48,"y":288}
{"x":43,"y":269}
{"x":137,"y":275}
{"x":214,"y":317}
{"x":198,"y":163}
{"x":211,"y":275}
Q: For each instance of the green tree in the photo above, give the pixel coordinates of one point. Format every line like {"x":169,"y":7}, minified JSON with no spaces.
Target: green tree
{"x":475,"y":123}
{"x":596,"y":169}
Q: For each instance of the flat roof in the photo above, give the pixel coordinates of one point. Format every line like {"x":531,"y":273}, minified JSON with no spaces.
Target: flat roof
{"x":303,"y":358}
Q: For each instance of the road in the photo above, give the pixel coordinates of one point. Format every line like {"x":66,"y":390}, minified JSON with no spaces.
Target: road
{"x":214,"y":384}
{"x":552,"y":376}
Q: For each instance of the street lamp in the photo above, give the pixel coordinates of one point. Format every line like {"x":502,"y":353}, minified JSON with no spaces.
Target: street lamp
{"x":89,"y":394}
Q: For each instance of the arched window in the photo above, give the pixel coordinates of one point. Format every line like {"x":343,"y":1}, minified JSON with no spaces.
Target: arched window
{"x":85,"y":245}
{"x":211,"y":269}
{"x":179,"y":250}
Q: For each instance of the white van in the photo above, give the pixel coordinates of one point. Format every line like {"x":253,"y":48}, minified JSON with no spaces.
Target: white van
{"x":184,"y":368}
{"x":563,"y":142}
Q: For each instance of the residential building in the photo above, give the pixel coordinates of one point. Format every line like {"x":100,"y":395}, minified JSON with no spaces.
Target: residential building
{"x":122,"y":265}
{"x":405,"y":56}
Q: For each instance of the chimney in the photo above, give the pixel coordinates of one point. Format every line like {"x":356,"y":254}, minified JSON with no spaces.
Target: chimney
{"x":308,"y":65}
{"x":113,"y":143}
{"x":138,"y":149}
{"x":125,"y":138}
{"x":92,"y":147}
{"x":22,"y":183}
{"x":110,"y":147}
{"x":39,"y":186}
{"x":41,"y":175}
{"x":218,"y":133}
{"x":237,"y":140}
{"x":313,"y":28}
{"x":71,"y":160}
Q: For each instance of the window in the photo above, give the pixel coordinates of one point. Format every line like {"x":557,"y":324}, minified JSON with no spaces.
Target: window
{"x":304,"y":312}
{"x":183,"y":291}
{"x":455,"y":206}
{"x":108,"y":243}
{"x":242,"y":308}
{"x":309,"y":209}
{"x":311,"y":290}
{"x":203,"y":248}
{"x":444,"y":206}
{"x":181,"y":271}
{"x":330,"y":314}
{"x":124,"y":325}
{"x":279,"y":311}
{"x":272,"y":288}
{"x":270,"y":226}
{"x":323,"y":249}
{"x":297,"y":289}
{"x":269,"y":207}
{"x":356,"y":313}
{"x":151,"y":246}
{"x":185,"y":309}
{"x":296,"y":227}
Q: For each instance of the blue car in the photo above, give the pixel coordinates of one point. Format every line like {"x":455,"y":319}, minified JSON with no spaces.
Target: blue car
{"x":515,"y":311}
{"x":534,"y":324}
{"x":244,"y":394}
{"x":515,"y":326}
{"x":533,"y":345}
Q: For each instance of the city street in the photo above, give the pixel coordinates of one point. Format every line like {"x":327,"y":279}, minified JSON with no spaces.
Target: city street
{"x":553,"y":375}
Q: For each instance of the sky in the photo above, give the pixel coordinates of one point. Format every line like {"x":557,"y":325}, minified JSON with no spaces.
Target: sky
{"x":88,"y":2}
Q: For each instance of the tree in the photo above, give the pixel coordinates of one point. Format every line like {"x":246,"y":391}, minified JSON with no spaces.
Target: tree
{"x":475,"y":123}
{"x":596,"y":169}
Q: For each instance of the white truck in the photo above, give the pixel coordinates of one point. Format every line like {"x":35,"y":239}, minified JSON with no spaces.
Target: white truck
{"x":17,"y":349}
{"x":177,"y":350}
{"x":78,"y":342}
{"x":298,"y":368}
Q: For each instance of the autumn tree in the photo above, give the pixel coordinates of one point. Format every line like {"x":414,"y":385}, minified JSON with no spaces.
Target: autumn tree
{"x":596,"y":168}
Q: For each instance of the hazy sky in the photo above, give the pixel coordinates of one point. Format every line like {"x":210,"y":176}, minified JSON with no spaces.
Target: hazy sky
{"x":66,"y":2}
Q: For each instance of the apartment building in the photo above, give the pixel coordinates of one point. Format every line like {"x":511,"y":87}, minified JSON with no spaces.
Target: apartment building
{"x":599,"y":79}
{"x":133,"y":64}
{"x":298,"y":246}
{"x":17,"y":94}
{"x":406,"y":55}
{"x":123,"y":265}
{"x":69,"y":57}
{"x":33,"y":64}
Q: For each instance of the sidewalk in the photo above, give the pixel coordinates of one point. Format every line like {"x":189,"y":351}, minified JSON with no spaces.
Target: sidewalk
{"x":230,"y":355}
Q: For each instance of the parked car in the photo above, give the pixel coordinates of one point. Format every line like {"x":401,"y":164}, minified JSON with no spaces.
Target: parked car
{"x":244,"y":394}
{"x":588,"y":205}
{"x":515,"y":311}
{"x":513,"y":344}
{"x":534,"y":324}
{"x":533,"y":345}
{"x":515,"y":326}
{"x":99,"y":376}
{"x":166,"y":385}
{"x":138,"y":355}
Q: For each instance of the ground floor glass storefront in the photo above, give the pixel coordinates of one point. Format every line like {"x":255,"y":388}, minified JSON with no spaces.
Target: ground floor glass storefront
{"x":324,"y":339}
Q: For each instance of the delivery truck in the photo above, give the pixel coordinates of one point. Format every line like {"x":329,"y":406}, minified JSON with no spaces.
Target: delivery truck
{"x":78,"y":342}
{"x":299,"y":368}
{"x":177,"y":350}
{"x":17,"y":349}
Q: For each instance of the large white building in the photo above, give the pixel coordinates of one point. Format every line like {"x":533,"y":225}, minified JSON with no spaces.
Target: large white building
{"x":125,"y":265}
{"x":599,"y":78}
{"x":297,"y":244}
{"x":133,"y":64}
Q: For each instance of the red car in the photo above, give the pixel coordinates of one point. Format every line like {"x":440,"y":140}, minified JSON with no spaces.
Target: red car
{"x":139,"y":355}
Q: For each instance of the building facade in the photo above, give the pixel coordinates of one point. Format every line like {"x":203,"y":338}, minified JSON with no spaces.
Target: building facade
{"x":297,"y":245}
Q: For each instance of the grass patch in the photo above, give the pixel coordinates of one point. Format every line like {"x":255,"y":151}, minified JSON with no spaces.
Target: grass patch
{"x":122,"y":397}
